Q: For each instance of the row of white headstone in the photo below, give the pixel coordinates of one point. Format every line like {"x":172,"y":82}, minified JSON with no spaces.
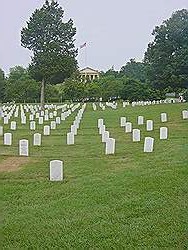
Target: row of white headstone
{"x":109,"y":142}
{"x":42,"y":115}
{"x":75,"y":126}
{"x":144,"y":103}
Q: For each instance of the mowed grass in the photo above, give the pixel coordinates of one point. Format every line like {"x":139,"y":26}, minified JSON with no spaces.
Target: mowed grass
{"x":130,"y":200}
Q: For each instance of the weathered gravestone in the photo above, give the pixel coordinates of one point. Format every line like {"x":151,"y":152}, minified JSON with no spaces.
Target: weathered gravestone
{"x":23,"y":147}
{"x":46,"y":130}
{"x":185,"y":114}
{"x":110,"y":146}
{"x":149,"y":125}
{"x":148,"y":144}
{"x":128,"y":127}
{"x":56,"y":170}
{"x":136,"y":135}
{"x":8,"y":139}
{"x":163,"y":117}
{"x":37,"y":139}
{"x":163,"y":133}
{"x":70,"y":138}
{"x":140,"y":120}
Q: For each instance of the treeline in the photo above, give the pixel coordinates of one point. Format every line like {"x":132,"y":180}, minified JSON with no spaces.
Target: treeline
{"x":54,"y":68}
{"x":128,"y":84}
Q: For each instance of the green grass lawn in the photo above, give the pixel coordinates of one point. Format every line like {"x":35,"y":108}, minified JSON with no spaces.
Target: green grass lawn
{"x":129,"y":200}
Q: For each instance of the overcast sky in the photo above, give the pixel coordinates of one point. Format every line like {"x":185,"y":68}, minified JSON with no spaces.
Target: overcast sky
{"x":115,"y":31}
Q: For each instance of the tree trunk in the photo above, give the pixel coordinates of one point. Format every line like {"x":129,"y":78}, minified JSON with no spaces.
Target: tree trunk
{"x":42,"y":93}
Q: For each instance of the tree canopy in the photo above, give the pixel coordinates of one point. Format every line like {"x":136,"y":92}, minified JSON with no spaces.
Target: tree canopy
{"x":135,"y":70}
{"x":167,"y":56}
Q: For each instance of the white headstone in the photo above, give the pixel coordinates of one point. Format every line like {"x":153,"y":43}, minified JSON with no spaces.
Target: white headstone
{"x":46,"y":117}
{"x":140,"y":120}
{"x":37,"y":139}
{"x":70,"y":138}
{"x":63,"y":116}
{"x":136,"y":135}
{"x":105,"y":136}
{"x":1,"y":130}
{"x":53,"y":125}
{"x":128,"y":127}
{"x":41,"y":120}
{"x":185,"y":114}
{"x":163,"y":133}
{"x":148,"y":144}
{"x":58,"y":120}
{"x":13,"y":125}
{"x":56,"y":170}
{"x":23,"y":147}
{"x":74,"y":129}
{"x":149,"y":125}
{"x":5,"y":120}
{"x":46,"y":130}
{"x":8,"y":139}
{"x":123,"y":121}
{"x":110,"y":146}
{"x":100,"y":122}
{"x":31,"y":117}
{"x":32,"y":125}
{"x":163,"y":117}
{"x":101,"y":129}
{"x":23,"y":119}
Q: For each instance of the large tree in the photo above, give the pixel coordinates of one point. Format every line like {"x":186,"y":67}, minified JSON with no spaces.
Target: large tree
{"x":134,"y":70}
{"x":167,"y":56}
{"x":2,"y":85}
{"x":52,"y":42}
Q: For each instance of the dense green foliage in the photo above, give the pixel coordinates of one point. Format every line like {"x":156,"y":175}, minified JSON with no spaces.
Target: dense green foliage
{"x":131,"y":200}
{"x":167,"y":56}
{"x":52,"y":42}
{"x":20,"y":87}
{"x":135,"y":70}
{"x":2,"y":85}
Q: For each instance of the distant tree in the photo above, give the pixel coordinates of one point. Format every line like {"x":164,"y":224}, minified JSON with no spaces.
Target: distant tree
{"x":134,"y":70}
{"x":2,"y":85}
{"x":110,"y":72}
{"x":52,"y":42}
{"x":20,"y":87}
{"x":134,"y":90}
{"x":110,"y":87}
{"x":167,"y":56}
